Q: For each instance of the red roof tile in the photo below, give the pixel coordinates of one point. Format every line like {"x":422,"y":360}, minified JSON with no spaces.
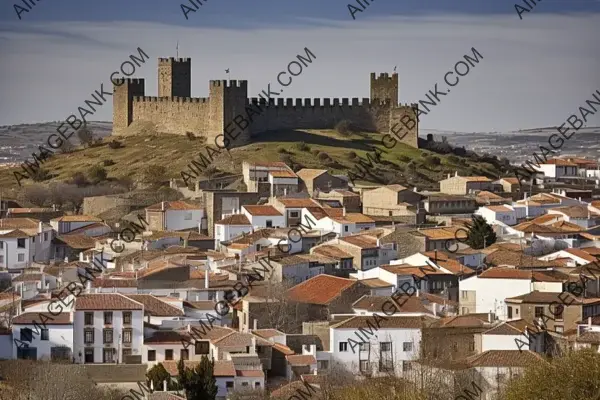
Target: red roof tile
{"x":106,"y":301}
{"x":321,"y":289}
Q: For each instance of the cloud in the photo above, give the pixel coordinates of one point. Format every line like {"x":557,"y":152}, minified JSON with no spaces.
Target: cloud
{"x":534,"y":72}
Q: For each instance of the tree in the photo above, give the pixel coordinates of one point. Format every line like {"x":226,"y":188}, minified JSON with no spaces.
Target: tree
{"x":155,"y":174}
{"x":480,"y":230}
{"x":97,"y":174}
{"x":199,"y":382}
{"x":67,"y":147}
{"x":157,"y":375}
{"x":85,"y":135}
{"x":576,"y":376}
{"x":79,"y":179}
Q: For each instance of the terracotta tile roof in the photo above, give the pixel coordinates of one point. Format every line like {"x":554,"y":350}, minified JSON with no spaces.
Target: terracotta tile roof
{"x":29,"y":210}
{"x":581,"y":254}
{"x":362,"y":241}
{"x":578,"y":212}
{"x":276,"y":164}
{"x":174,"y":205}
{"x":250,"y":373}
{"x":465,"y":321}
{"x":455,"y":267}
{"x":516,"y":259}
{"x":332,"y":251}
{"x":567,"y":227}
{"x":589,"y":337}
{"x":29,"y":318}
{"x":505,"y":358}
{"x":485,"y":195}
{"x":595,"y":251}
{"x":321,"y":289}
{"x":77,"y":241}
{"x":317,"y":212}
{"x":476,"y":178}
{"x":106,"y":301}
{"x":298,"y":360}
{"x":411,"y":304}
{"x":297,"y":203}
{"x":499,"y":208}
{"x":443,"y":233}
{"x":15,"y":233}
{"x":395,"y":188}
{"x":359,"y":218}
{"x":237,"y":339}
{"x":265,"y":210}
{"x":537,"y":297}
{"x":235,"y":219}
{"x":165,"y":337}
{"x":392,"y":322}
{"x":113,"y":283}
{"x":292,"y":389}
{"x":283,"y":174}
{"x":547,"y":219}
{"x":345,"y":193}
{"x":560,"y":161}
{"x":77,"y":218}
{"x":515,"y":327}
{"x":407,"y":269}
{"x":155,"y":307}
{"x":283,"y":349}
{"x":307,"y":174}
{"x":267,"y":333}
{"x":189,"y":235}
{"x":27,"y":277}
{"x":511,"y":180}
{"x":375,"y":283}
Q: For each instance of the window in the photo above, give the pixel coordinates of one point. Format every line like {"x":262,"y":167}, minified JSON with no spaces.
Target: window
{"x":33,"y":239}
{"x":60,"y":353}
{"x":45,"y":334}
{"x":345,"y":228}
{"x":559,"y":329}
{"x":127,"y":317}
{"x":125,"y":353}
{"x":108,"y":335}
{"x":187,"y":216}
{"x":108,"y":318}
{"x":364,"y":365}
{"x":88,"y":318}
{"x":390,"y":213}
{"x":169,"y":354}
{"x":510,"y":312}
{"x":127,"y":334}
{"x":108,"y":355}
{"x":472,"y":346}
{"x":151,"y":355}
{"x":45,"y":236}
{"x":26,"y":335}
{"x":89,"y":356}
{"x":343,"y":346}
{"x":539,"y":311}
{"x":385,"y":346}
{"x":1,"y":258}
{"x":20,"y":257}
{"x":20,"y":243}
{"x":558,"y":313}
{"x":269,"y":223}
{"x":88,"y":336}
{"x":364,"y":346}
{"x":324,"y":364}
{"x":229,"y":385}
{"x":465,"y":311}
{"x":407,"y":346}
{"x":201,"y":347}
{"x":406,"y":366}
{"x":293,"y":214}
{"x":1,"y":244}
{"x":184,"y":354}
{"x":244,"y":383}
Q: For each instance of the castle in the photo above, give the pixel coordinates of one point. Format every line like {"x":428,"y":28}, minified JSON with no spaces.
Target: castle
{"x":174,"y":111}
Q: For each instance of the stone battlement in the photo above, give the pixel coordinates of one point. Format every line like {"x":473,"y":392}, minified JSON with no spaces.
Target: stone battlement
{"x":135,"y":81}
{"x":173,"y":59}
{"x":325,"y":102}
{"x":384,"y":75}
{"x":231,"y":83}
{"x":154,"y":99}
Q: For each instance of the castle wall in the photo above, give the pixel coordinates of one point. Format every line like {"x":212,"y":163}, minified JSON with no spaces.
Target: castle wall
{"x":174,"y":115}
{"x":124,"y":91}
{"x":401,"y":121}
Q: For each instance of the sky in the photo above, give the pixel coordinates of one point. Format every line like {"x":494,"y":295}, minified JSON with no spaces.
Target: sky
{"x":534,"y":71}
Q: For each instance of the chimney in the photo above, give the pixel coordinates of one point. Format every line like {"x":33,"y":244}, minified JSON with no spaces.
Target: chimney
{"x":255,"y":324}
{"x":455,"y":173}
{"x":590,"y":322}
{"x":165,"y":385}
{"x":88,"y":286}
{"x":284,"y":192}
{"x":417,"y":292}
{"x":344,"y":211}
{"x":206,"y":278}
{"x":448,"y":176}
{"x":434,"y":310}
{"x":40,"y":227}
{"x":162,"y":206}
{"x":253,"y":346}
{"x":490,"y":317}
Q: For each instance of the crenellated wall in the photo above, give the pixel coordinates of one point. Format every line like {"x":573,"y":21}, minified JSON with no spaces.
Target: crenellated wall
{"x":228,"y":104}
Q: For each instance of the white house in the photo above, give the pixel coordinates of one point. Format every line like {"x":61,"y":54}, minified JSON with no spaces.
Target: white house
{"x":23,"y":241}
{"x":29,"y":284}
{"x":381,"y":347}
{"x":68,"y":223}
{"x":264,"y":216}
{"x":107,"y":327}
{"x":175,"y":216}
{"x":43,"y":336}
{"x":558,"y":168}
{"x":230,"y":227}
{"x":501,"y":213}
{"x":504,"y":336}
{"x":486,"y":292}
{"x":578,"y":257}
{"x":577,"y":214}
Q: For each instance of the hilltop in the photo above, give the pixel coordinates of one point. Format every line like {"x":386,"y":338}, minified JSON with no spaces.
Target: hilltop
{"x":402,"y":164}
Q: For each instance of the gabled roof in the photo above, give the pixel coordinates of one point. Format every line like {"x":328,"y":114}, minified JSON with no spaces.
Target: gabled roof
{"x":235,"y":219}
{"x":516,"y":259}
{"x":264,"y":210}
{"x":106,"y":301}
{"x":505,"y":358}
{"x":283,"y":174}
{"x":298,"y":360}
{"x":332,"y":251}
{"x":537,"y":297}
{"x":174,"y":205}
{"x":154,"y":306}
{"x":560,"y":161}
{"x":82,"y":242}
{"x":395,"y":188}
{"x":361,"y":241}
{"x":77,"y":218}
{"x":515,"y":327}
{"x":298,"y":203}
{"x":307,"y":174}
{"x":29,"y":318}
{"x":14,"y":234}
{"x":579,"y":212}
{"x":411,"y":304}
{"x":358,"y":218}
{"x":391,"y":322}
{"x":321,"y":289}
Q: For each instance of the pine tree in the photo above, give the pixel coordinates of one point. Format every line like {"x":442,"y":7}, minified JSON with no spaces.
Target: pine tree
{"x":480,"y":230}
{"x":157,"y":375}
{"x":199,"y":382}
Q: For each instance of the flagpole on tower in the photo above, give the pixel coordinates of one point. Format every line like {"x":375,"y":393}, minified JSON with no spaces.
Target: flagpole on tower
{"x":177,"y":49}
{"x":227,"y":72}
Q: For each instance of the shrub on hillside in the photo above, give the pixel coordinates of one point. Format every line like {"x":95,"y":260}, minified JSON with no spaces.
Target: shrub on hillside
{"x":154,"y":174}
{"x":286,"y":158}
{"x":345,"y":127}
{"x":453,"y":159}
{"x":40,"y":175}
{"x":404,"y":158}
{"x":97,"y":174}
{"x":315,"y":152}
{"x":190,"y":135}
{"x":108,"y":163}
{"x":115,"y":144}
{"x":281,"y":150}
{"x":324,"y":156}
{"x":433,"y":160}
{"x":352,"y":155}
{"x":79,"y":179}
{"x":302,"y":146}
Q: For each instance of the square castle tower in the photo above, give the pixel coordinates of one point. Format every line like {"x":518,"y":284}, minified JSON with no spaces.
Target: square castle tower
{"x":174,"y":111}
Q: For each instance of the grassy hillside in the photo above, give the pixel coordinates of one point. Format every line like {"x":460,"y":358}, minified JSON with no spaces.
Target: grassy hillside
{"x":299,"y":148}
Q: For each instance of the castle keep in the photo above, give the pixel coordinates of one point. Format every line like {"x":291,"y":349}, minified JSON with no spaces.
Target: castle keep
{"x":174,"y":111}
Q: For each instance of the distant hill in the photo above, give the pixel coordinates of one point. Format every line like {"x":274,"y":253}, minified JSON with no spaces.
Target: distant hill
{"x":175,"y":152}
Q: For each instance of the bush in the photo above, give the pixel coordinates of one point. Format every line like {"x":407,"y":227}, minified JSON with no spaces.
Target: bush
{"x":79,"y":179}
{"x":324,"y":156}
{"x":433,"y":160}
{"x":453,"y":159}
{"x":302,"y":146}
{"x":40,"y":175}
{"x":154,"y":174}
{"x":85,"y":135}
{"x":315,"y":152}
{"x":352,"y":155}
{"x":115,"y":144}
{"x":281,"y":150}
{"x":108,"y":163}
{"x":97,"y":174}
{"x":67,"y":147}
{"x":345,"y":128}
{"x":190,"y":135}
{"x":411,"y":166}
{"x":286,"y":158}
{"x":404,"y":158}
